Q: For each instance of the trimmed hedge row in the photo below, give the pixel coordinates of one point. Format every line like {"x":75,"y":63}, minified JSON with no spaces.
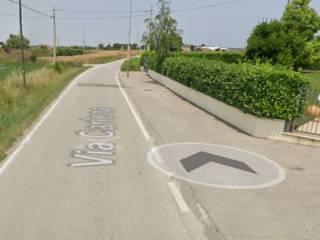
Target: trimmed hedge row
{"x":228,"y":57}
{"x":261,"y":90}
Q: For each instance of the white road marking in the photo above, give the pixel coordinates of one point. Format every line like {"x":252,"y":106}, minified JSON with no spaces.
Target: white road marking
{"x":154,"y":157}
{"x":133,"y":110}
{"x":178,"y":197}
{"x":12,"y":156}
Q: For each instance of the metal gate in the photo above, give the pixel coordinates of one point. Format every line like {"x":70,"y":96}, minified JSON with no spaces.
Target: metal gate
{"x":309,"y":122}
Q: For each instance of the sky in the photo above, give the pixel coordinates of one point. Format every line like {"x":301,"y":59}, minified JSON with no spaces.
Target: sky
{"x":226,"y":25}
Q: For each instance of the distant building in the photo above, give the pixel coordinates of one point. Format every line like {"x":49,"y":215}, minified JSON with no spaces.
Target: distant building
{"x":43,"y":46}
{"x":215,"y":48}
{"x":187,"y":47}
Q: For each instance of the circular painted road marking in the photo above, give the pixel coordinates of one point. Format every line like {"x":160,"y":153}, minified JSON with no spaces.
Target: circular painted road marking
{"x":216,"y":165}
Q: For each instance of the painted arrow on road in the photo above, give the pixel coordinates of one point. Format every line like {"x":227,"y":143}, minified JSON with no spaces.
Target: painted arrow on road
{"x":200,"y":159}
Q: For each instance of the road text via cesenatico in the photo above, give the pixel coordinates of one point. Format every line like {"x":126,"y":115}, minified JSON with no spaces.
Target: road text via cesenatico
{"x":100,"y":131}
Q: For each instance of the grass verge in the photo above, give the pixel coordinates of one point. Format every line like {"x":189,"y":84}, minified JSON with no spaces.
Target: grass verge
{"x":19,"y":107}
{"x":6,"y":67}
{"x":134,"y":65}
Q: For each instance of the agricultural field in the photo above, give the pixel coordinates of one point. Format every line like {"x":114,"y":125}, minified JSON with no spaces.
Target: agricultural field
{"x":92,"y":57}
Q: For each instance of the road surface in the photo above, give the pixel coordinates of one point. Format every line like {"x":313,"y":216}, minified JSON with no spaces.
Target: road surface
{"x":83,"y":172}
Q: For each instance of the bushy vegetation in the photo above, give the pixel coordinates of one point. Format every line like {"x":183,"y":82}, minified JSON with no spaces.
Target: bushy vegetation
{"x":290,"y":41}
{"x":41,"y":51}
{"x":134,"y":65}
{"x":149,"y":59}
{"x":261,"y":89}
{"x":315,"y":62}
{"x":14,"y":42}
{"x":69,"y":51}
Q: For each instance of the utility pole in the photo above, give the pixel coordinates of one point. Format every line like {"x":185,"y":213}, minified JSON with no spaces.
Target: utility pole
{"x":58,"y":39}
{"x":54,"y":36}
{"x":84,"y":38}
{"x":151,"y":16}
{"x":22,"y":46}
{"x":129,"y":39}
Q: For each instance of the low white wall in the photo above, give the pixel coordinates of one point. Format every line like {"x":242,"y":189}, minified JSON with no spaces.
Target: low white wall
{"x":258,"y":127}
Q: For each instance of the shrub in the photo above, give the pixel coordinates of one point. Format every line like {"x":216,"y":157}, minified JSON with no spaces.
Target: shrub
{"x":134,"y":65}
{"x":149,"y":58}
{"x":69,"y":51}
{"x":261,"y":89}
{"x":33,"y":57}
{"x":316,"y":62}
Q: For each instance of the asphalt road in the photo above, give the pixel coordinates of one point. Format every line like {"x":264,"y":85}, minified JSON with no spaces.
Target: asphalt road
{"x":48,"y":192}
{"x":84,"y":172}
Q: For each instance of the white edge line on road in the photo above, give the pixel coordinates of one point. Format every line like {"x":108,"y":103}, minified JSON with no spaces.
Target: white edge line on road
{"x":7,"y":161}
{"x":132,"y":108}
{"x":178,"y":197}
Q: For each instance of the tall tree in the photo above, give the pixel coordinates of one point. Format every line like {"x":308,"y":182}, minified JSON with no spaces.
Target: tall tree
{"x":290,"y":41}
{"x":162,"y":34}
{"x":268,"y":42}
{"x":301,"y":23}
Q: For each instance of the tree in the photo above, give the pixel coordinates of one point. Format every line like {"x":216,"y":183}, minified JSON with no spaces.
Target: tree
{"x":268,"y":42}
{"x":300,"y":17}
{"x":301,"y":23}
{"x":14,"y":41}
{"x":288,"y":41}
{"x":100,"y":46}
{"x":162,"y":34}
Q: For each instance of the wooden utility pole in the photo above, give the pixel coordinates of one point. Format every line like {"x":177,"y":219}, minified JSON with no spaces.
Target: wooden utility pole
{"x":54,"y":35}
{"x":129,"y":39}
{"x":22,"y":46}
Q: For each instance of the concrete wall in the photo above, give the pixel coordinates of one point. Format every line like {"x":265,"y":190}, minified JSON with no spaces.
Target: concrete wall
{"x":258,"y":127}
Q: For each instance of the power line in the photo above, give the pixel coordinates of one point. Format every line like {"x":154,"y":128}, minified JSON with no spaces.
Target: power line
{"x":31,"y":9}
{"x":101,"y":18}
{"x":207,"y":6}
{"x":101,"y":12}
{"x":15,"y":15}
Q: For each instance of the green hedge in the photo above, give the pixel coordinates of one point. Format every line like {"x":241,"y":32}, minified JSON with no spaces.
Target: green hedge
{"x":228,"y":57}
{"x":261,"y":89}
